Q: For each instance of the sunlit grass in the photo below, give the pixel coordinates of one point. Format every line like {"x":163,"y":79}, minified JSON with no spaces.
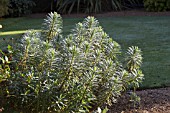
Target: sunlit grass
{"x":14,"y":32}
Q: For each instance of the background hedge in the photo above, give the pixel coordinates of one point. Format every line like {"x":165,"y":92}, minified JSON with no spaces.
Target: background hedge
{"x":157,"y":5}
{"x":3,"y":7}
{"x":15,"y":8}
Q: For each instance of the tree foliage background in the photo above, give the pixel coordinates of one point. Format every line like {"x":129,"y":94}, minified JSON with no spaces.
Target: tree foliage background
{"x":95,"y":6}
{"x":4,"y":7}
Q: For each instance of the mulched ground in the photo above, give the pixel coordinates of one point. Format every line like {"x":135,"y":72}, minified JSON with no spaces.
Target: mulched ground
{"x":152,"y":100}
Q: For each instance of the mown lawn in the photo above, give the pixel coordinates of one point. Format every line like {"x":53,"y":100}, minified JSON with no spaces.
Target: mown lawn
{"x":151,"y":34}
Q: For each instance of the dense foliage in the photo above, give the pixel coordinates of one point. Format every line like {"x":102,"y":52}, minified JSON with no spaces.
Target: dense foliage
{"x":78,"y":73}
{"x":94,"y":6}
{"x":20,"y":7}
{"x":157,"y":5}
{"x":42,"y":6}
{"x":3,"y":7}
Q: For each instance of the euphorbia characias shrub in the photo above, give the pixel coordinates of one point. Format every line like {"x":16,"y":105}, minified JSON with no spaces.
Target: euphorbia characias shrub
{"x":78,"y":73}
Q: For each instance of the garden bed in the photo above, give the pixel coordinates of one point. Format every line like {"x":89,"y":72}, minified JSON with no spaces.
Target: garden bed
{"x":152,"y":101}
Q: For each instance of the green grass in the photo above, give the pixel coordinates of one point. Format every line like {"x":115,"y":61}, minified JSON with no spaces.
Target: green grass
{"x":151,"y":34}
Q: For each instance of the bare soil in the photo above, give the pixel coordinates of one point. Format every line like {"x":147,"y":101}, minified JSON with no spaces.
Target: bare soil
{"x":152,"y":101}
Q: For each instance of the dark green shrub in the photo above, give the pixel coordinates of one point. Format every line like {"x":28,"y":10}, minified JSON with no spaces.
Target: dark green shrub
{"x":42,"y":6}
{"x":157,"y":5}
{"x":4,"y":7}
{"x":5,"y":62}
{"x":77,"y":73}
{"x":93,"y":6}
{"x":20,"y":7}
